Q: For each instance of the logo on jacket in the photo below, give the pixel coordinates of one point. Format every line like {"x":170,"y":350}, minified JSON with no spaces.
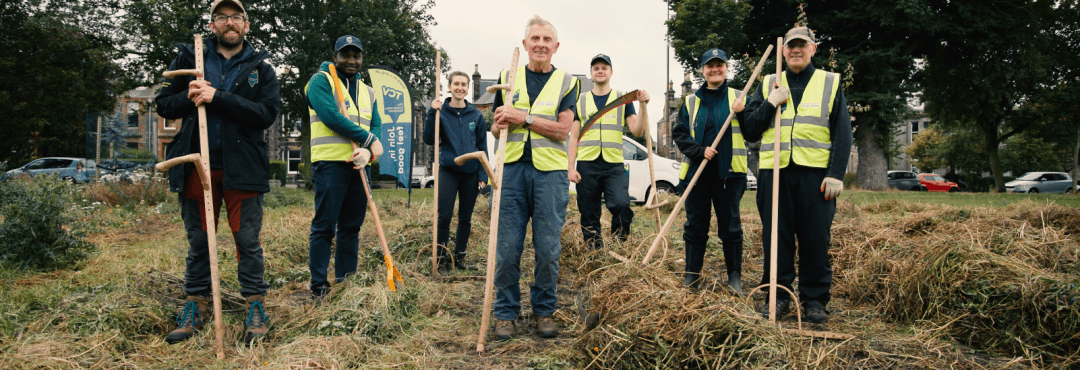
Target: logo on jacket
{"x":472,"y":125}
{"x":253,"y":78}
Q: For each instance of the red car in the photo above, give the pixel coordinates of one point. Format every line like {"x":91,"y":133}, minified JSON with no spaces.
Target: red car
{"x":933,"y":182}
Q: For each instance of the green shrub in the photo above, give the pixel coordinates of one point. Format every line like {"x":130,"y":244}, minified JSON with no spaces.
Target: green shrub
{"x":278,"y":170}
{"x":38,"y":230}
{"x":849,"y":180}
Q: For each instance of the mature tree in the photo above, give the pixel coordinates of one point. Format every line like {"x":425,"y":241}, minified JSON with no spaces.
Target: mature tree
{"x":869,"y":42}
{"x":994,"y":57}
{"x":52,"y":74}
{"x":928,"y":150}
{"x":300,"y":35}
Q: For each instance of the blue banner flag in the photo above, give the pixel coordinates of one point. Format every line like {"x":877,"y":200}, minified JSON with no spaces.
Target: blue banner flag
{"x":395,"y":111}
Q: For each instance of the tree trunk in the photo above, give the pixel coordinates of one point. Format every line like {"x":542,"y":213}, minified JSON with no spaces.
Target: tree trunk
{"x":873,"y":166}
{"x":1076,"y":159}
{"x":991,"y":136}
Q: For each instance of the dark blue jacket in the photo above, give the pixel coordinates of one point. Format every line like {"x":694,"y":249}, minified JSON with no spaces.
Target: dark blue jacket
{"x":459,"y":134}
{"x":245,"y":109}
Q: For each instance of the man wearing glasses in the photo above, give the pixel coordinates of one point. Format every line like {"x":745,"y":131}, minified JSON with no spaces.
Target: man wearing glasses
{"x":814,"y":147}
{"x":240,"y":92}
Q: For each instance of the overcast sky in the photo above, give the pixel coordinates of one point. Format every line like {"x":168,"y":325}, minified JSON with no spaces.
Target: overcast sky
{"x":631,"y":32}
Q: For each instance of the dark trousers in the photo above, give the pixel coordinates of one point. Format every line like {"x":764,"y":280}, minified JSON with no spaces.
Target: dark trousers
{"x":609,"y":180}
{"x":803,"y":212}
{"x":244,"y":209}
{"x":340,"y":208}
{"x":723,"y":197}
{"x":453,"y":184}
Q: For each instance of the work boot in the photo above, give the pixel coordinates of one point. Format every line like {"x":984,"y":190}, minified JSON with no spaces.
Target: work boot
{"x":545,"y":327}
{"x":504,"y":329}
{"x":692,"y":280}
{"x":257,"y":325}
{"x":443,"y":264}
{"x":192,"y":317}
{"x":734,"y":281}
{"x":459,"y":264}
{"x":782,"y":308}
{"x":815,"y":312}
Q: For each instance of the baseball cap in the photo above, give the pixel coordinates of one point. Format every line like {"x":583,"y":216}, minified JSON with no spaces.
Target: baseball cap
{"x":600,"y":57}
{"x":799,"y":33}
{"x":347,"y":40}
{"x":713,"y":54}
{"x":218,"y":3}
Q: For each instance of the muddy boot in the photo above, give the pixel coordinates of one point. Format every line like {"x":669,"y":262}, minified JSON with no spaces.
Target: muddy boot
{"x":734,"y":281}
{"x":504,"y":330}
{"x":257,"y":324}
{"x":692,"y":280}
{"x":546,"y":328}
{"x":192,"y":317}
{"x":782,"y":308}
{"x":815,"y":312}
{"x":459,"y":263}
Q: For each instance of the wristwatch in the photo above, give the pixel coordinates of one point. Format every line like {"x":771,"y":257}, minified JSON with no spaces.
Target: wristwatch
{"x":528,"y":121}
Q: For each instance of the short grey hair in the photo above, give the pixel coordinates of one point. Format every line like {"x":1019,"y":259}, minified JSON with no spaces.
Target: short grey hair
{"x":537,"y":21}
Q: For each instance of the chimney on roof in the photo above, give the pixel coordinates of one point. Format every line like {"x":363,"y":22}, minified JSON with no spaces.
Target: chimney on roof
{"x":476,"y":83}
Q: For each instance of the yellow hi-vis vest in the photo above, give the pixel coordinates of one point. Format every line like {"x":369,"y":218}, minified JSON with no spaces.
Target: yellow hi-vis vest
{"x":738,"y":145}
{"x":605,"y":135}
{"x":327,"y":145}
{"x":804,"y":132}
{"x":547,"y":154}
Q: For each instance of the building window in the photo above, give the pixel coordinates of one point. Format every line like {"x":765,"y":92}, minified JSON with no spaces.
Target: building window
{"x":132,"y":145}
{"x":294,"y":161}
{"x":170,"y":124}
{"x":133,"y":114}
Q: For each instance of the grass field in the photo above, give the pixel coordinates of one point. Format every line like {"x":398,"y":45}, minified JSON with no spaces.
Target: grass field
{"x":923,"y":280}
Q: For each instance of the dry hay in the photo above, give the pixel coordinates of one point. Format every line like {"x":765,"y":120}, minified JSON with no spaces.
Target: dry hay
{"x":986,"y":278}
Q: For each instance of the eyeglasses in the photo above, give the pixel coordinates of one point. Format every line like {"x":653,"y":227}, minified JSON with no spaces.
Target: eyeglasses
{"x":222,"y":19}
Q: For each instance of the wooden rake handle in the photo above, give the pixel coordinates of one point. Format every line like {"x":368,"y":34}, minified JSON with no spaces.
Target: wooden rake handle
{"x":181,"y":72}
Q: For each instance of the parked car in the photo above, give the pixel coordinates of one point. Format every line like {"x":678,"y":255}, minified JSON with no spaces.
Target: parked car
{"x":751,"y":181}
{"x":74,"y":170}
{"x":1041,"y":182}
{"x":934,"y":182}
{"x":904,"y":180}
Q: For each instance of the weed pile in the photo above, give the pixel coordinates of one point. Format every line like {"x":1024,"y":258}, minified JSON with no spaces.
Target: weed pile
{"x":1004,"y":281}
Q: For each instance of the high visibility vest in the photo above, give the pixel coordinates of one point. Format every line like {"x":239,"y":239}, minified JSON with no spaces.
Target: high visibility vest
{"x":605,"y":135}
{"x":327,"y":145}
{"x":804,"y":132}
{"x":547,"y":154}
{"x":738,"y":145}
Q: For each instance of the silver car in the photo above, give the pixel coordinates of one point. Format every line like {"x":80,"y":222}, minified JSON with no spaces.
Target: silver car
{"x":904,"y":180}
{"x":74,"y":170}
{"x":1041,"y":182}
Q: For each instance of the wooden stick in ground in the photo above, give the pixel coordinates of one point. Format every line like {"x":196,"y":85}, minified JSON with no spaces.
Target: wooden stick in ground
{"x":435,"y":173}
{"x":697,"y":173}
{"x":202,"y":165}
{"x":775,"y":187}
{"x":496,"y":194}
{"x":643,"y":117}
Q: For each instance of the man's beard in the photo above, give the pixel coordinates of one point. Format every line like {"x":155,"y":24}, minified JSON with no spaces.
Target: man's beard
{"x":226,"y":43}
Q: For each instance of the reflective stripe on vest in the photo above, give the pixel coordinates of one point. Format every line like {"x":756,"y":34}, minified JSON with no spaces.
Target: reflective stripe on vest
{"x":327,"y":145}
{"x":804,"y":132}
{"x":738,"y":144}
{"x":547,"y":154}
{"x":605,"y":135}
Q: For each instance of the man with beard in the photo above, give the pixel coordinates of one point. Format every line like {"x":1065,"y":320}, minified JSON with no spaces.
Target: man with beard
{"x":240,"y":93}
{"x":340,"y":198}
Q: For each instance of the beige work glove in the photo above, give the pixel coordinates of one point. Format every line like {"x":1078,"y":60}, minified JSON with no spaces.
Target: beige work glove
{"x":831,"y":187}
{"x":360,"y":157}
{"x":778,"y":96}
{"x":376,"y":149}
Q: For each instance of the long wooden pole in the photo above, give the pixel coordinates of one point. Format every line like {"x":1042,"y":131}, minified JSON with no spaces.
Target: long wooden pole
{"x":496,"y":194}
{"x":643,"y":117}
{"x":208,"y":209}
{"x":682,"y":200}
{"x":435,"y":173}
{"x":775,"y":186}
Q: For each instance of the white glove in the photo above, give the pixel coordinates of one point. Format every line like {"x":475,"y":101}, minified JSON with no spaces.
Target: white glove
{"x":831,"y":187}
{"x":360,"y":157}
{"x":376,"y":149}
{"x":778,"y":95}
